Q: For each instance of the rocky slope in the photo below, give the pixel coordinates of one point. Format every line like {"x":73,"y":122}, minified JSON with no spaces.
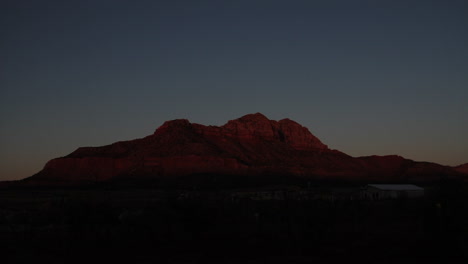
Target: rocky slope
{"x":462,"y":168}
{"x":252,"y":145}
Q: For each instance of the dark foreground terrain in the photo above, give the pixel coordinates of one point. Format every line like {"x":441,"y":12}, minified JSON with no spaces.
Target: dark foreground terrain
{"x":102,"y":225}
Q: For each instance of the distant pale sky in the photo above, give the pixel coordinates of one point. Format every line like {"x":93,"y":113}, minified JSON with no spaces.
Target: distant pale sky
{"x":366,"y":77}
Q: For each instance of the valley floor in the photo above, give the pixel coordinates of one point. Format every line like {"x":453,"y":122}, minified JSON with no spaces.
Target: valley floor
{"x":153,"y":226}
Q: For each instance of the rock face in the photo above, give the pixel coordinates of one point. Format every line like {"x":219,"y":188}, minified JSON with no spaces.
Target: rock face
{"x":249,"y":146}
{"x":462,"y":168}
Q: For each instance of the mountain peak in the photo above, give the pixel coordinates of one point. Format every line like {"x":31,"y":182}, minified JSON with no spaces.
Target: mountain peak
{"x":255,"y":116}
{"x":253,"y":120}
{"x":299,"y":136}
{"x":251,"y":126}
{"x":174,"y":124}
{"x":286,"y":130}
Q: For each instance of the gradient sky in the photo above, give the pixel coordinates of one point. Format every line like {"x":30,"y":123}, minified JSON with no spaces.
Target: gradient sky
{"x":366,"y":77}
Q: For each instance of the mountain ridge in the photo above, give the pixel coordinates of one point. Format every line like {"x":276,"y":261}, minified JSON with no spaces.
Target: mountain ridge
{"x":251,"y":145}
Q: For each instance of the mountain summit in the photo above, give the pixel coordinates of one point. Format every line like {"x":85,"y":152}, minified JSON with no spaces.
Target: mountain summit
{"x":252,"y":145}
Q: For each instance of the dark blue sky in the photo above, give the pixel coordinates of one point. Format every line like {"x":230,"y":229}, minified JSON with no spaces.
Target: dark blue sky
{"x":366,"y":77}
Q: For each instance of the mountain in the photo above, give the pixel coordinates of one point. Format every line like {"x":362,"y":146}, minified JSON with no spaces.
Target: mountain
{"x":462,"y":168}
{"x":243,"y":149}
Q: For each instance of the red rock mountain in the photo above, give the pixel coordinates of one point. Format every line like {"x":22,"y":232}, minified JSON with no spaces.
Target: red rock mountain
{"x":249,"y":146}
{"x":462,"y":168}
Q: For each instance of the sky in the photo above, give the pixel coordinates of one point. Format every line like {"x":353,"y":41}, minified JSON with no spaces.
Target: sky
{"x":366,"y":77}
